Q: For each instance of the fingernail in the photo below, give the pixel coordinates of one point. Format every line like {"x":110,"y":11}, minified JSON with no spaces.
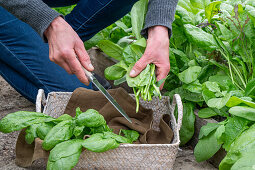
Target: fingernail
{"x":91,"y":66}
{"x":132,"y":73}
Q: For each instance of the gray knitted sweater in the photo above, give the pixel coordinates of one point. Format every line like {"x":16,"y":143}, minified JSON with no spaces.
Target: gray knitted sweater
{"x":39,"y":16}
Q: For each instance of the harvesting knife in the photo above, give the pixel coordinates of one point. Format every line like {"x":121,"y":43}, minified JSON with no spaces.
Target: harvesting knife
{"x":106,"y":94}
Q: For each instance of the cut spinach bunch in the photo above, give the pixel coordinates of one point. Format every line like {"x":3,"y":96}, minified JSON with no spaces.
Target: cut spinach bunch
{"x":64,"y":135}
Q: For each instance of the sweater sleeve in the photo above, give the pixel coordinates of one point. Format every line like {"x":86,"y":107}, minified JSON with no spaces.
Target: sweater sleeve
{"x":160,"y":12}
{"x":33,"y":12}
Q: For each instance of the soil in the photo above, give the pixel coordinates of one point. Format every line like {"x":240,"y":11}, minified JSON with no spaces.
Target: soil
{"x":12,"y":101}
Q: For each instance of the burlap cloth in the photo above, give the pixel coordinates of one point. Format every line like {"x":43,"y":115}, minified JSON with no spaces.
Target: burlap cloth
{"x":88,"y":99}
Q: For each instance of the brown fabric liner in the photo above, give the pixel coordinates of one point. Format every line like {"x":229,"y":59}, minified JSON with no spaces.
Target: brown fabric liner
{"x":88,"y":99}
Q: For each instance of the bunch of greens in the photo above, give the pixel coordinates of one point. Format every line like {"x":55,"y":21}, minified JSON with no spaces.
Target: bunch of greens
{"x":64,"y":135}
{"x":127,"y":54}
{"x":212,"y":68}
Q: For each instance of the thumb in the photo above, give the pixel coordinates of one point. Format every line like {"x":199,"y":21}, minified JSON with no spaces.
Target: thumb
{"x":139,"y":66}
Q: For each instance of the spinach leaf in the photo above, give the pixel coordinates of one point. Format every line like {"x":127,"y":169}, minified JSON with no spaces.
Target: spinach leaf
{"x":138,"y":13}
{"x":190,"y":75}
{"x":207,"y":113}
{"x":243,"y":111}
{"x":64,"y":117}
{"x":141,"y":80}
{"x":206,"y":147}
{"x":116,"y":71}
{"x":43,"y":129}
{"x":234,"y":101}
{"x":245,"y":162}
{"x":207,"y":129}
{"x":200,"y":37}
{"x":78,"y":111}
{"x":218,"y":102}
{"x":22,"y":119}
{"x":78,"y":130}
{"x":111,"y":49}
{"x":243,"y":145}
{"x":97,"y":143}
{"x":100,"y":129}
{"x":129,"y":56}
{"x":188,"y":121}
{"x":90,"y":118}
{"x":194,"y":87}
{"x":118,"y":138}
{"x":212,"y":9}
{"x":250,"y":88}
{"x":31,"y":133}
{"x":132,"y":135}
{"x":233,"y":128}
{"x":59,"y":133}
{"x":65,"y":155}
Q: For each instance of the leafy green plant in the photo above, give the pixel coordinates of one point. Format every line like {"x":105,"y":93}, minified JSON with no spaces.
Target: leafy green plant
{"x":64,"y":135}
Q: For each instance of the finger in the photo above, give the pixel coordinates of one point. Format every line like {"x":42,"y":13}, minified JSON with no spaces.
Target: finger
{"x":139,"y":66}
{"x":83,"y":57}
{"x":66,"y":67}
{"x":162,"y":72}
{"x":76,"y":68}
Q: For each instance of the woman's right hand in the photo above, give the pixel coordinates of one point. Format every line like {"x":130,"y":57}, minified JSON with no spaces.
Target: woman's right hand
{"x":67,"y":49}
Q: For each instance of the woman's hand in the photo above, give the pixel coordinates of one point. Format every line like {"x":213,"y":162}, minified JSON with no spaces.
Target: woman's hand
{"x":157,"y":52}
{"x":67,"y":49}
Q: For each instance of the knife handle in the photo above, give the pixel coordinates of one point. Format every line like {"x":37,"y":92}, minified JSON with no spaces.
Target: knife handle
{"x":88,"y":74}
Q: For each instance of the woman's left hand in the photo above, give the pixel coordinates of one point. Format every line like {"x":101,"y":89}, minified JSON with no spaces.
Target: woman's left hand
{"x":157,"y":52}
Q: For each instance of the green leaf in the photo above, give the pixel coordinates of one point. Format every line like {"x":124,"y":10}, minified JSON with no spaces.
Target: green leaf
{"x":90,"y":118}
{"x":132,"y":135}
{"x":121,"y":25}
{"x":97,"y":143}
{"x":78,"y":130}
{"x":251,"y":12}
{"x":22,"y":119}
{"x":116,"y":71}
{"x":243,"y":111}
{"x":206,"y":147}
{"x":65,"y":155}
{"x":78,"y":111}
{"x":111,"y":49}
{"x":194,"y":87}
{"x":250,"y":88}
{"x":44,"y":129}
{"x":212,"y":86}
{"x":141,"y":80}
{"x":31,"y":133}
{"x":207,"y":129}
{"x":59,"y":133}
{"x":219,"y":131}
{"x":118,"y":138}
{"x":234,"y":101}
{"x":207,"y":113}
{"x":120,"y":81}
{"x":129,"y":56}
{"x":188,"y":121}
{"x":226,"y":33}
{"x":212,"y":9}
{"x":245,"y":163}
{"x":138,"y":13}
{"x":190,"y":75}
{"x":201,"y":4}
{"x":233,"y":128}
{"x":243,"y":145}
{"x":207,"y":94}
{"x":64,"y":117}
{"x":200,"y":38}
{"x":218,"y":102}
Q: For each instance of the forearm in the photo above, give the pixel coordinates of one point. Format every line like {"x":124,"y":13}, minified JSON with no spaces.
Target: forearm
{"x":33,"y":12}
{"x":160,"y":12}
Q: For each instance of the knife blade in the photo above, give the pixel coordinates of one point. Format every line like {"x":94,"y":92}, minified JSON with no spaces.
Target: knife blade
{"x":106,"y":94}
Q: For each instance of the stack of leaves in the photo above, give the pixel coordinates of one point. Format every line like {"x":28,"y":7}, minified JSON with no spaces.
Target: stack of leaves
{"x":64,"y":135}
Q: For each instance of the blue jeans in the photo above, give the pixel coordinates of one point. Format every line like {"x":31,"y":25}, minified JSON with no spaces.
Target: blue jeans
{"x":24,"y":57}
